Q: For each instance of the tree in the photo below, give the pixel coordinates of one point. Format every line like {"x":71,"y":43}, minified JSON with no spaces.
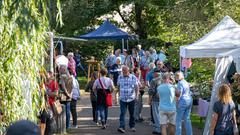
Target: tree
{"x":24,"y":25}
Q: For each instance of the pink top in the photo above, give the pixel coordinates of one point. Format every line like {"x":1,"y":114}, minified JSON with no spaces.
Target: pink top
{"x":72,"y":66}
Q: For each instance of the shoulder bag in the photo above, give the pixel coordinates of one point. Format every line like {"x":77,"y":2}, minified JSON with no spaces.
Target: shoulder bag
{"x":108,"y":95}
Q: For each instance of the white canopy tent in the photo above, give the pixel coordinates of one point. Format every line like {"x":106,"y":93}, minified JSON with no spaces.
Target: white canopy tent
{"x":223,"y":37}
{"x":223,"y":43}
{"x":223,"y":64}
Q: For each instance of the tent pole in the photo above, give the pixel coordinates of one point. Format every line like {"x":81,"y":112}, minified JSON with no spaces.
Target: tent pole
{"x":51,"y":51}
{"x":127,"y":45}
{"x":122,"y":44}
{"x":180,"y":64}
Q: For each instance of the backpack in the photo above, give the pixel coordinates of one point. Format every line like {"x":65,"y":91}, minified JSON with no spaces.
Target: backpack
{"x":68,"y":81}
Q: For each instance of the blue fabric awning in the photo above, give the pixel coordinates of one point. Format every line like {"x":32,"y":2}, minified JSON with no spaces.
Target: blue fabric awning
{"x":107,"y":31}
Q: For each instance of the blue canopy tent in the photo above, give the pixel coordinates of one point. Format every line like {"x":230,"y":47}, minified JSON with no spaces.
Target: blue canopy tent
{"x":108,"y":31}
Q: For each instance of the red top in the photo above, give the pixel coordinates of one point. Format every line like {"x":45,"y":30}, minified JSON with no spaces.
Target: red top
{"x":52,"y":87}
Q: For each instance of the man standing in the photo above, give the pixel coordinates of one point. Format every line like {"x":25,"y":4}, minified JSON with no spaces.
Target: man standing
{"x":154,"y":100}
{"x":167,"y":105}
{"x":129,"y":89}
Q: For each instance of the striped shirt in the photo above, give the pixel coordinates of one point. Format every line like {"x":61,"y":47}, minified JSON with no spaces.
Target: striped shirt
{"x":127,"y":86}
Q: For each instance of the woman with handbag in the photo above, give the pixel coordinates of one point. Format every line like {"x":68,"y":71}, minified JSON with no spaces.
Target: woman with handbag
{"x":224,"y":115}
{"x":103,"y":88}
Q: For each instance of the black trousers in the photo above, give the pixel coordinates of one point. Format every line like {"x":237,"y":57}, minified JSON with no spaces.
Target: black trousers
{"x":73,"y":107}
{"x":94,"y":111}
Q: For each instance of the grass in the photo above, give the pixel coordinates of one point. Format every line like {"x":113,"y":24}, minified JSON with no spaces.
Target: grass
{"x":196,"y":121}
{"x":82,"y":82}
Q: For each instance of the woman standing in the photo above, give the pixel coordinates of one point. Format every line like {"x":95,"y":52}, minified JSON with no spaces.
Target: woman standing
{"x":115,"y":71}
{"x":184,"y":105}
{"x":224,"y":118}
{"x":93,"y":97}
{"x":101,"y":87}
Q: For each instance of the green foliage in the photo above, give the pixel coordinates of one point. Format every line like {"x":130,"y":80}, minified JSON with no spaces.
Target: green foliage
{"x":98,"y":49}
{"x":177,"y":21}
{"x":23,"y":26}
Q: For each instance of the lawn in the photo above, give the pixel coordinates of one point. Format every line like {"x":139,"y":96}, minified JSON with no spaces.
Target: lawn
{"x":196,"y":121}
{"x":82,"y":82}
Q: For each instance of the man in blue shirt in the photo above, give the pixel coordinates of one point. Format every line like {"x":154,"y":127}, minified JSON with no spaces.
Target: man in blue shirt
{"x":167,"y":105}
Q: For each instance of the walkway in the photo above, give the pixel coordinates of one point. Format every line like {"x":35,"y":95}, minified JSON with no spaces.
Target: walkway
{"x":87,"y":127}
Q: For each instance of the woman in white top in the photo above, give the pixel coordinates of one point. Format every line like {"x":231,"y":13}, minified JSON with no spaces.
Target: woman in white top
{"x":101,"y":87}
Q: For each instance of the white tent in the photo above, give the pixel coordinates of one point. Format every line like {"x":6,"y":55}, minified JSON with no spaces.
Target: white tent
{"x":223,"y":37}
{"x":223,"y":43}
{"x":223,"y":63}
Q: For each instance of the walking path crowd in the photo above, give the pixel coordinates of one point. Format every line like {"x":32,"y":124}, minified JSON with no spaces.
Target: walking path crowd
{"x":129,"y":76}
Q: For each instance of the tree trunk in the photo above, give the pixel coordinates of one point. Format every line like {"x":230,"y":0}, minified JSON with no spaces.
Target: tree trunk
{"x":140,"y":27}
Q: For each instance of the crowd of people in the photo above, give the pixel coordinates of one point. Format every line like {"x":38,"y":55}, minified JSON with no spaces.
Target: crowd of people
{"x":128,"y":76}
{"x":57,"y":89}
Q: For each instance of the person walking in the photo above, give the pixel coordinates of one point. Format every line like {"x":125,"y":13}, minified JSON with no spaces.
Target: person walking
{"x":75,"y":97}
{"x":101,"y":87}
{"x":154,"y":100}
{"x":224,"y":115}
{"x":167,"y":105}
{"x":129,"y":89}
{"x":144,"y":65}
{"x":115,"y":71}
{"x":93,"y":96}
{"x":139,"y":103}
{"x":184,"y":105}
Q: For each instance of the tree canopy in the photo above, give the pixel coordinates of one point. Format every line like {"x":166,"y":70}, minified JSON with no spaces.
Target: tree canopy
{"x":155,"y":22}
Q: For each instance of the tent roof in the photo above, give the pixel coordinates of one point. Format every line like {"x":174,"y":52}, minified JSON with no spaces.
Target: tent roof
{"x":235,"y":53}
{"x":223,"y":37}
{"x":107,"y":31}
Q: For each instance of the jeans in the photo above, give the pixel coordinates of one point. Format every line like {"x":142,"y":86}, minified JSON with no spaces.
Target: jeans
{"x":94,"y":111}
{"x":183,"y":113}
{"x":123,"y":109}
{"x":73,"y":106}
{"x":102,"y":111}
{"x":228,"y":132}
{"x":68,"y":113}
{"x":138,"y":108}
{"x":156,"y":116}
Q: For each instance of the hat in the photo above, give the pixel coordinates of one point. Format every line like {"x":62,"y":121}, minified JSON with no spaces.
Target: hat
{"x":70,"y":54}
{"x":119,"y":58}
{"x":124,"y":50}
{"x":23,"y":127}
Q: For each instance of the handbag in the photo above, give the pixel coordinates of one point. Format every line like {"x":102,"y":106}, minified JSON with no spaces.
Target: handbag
{"x":108,"y":95}
{"x":57,"y":107}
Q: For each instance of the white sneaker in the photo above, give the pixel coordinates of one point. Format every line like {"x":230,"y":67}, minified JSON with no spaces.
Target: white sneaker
{"x":74,"y":127}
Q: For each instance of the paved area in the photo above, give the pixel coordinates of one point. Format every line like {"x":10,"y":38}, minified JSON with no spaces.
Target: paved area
{"x":87,"y":127}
